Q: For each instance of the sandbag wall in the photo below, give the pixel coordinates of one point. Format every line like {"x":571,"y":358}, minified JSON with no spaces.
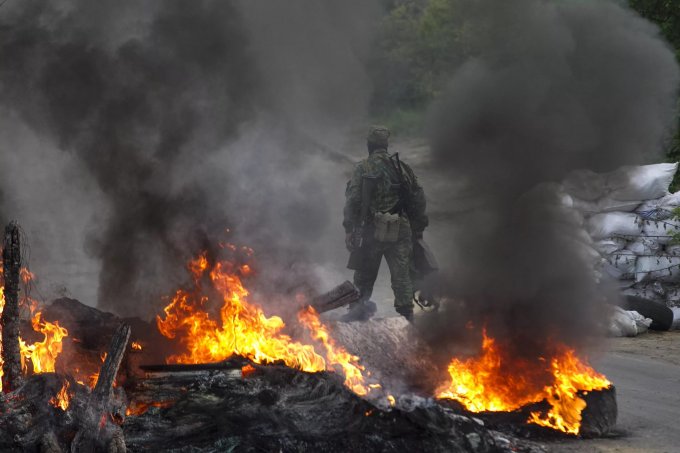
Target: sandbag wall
{"x":629,"y":215}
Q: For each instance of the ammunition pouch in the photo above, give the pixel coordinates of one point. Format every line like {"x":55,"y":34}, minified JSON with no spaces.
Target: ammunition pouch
{"x":386,"y":227}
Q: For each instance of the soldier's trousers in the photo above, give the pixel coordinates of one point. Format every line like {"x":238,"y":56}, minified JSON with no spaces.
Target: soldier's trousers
{"x":398,"y":256}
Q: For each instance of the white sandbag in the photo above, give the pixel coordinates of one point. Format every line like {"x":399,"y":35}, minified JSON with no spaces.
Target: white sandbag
{"x":645,"y":182}
{"x":609,"y":245}
{"x":673,"y":296}
{"x":566,"y":200}
{"x":585,"y":185}
{"x":610,"y":224}
{"x":624,"y":284}
{"x":644,"y":246}
{"x":658,"y":268}
{"x":672,"y":249}
{"x":621,"y":265}
{"x":661,"y":231}
{"x":670,"y":202}
{"x":646,"y":292}
{"x":621,"y":324}
{"x":605,"y":204}
{"x":641,"y":323}
{"x":653,"y":214}
{"x":660,"y":208}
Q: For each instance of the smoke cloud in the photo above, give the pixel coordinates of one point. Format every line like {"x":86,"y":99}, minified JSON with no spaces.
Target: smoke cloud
{"x":553,"y":87}
{"x":180,"y":119}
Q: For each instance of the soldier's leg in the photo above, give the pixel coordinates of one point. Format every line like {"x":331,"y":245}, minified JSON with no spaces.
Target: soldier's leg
{"x":399,"y":257}
{"x":364,"y":278}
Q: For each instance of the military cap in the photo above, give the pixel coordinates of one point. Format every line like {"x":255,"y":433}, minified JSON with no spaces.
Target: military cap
{"x":378,"y":135}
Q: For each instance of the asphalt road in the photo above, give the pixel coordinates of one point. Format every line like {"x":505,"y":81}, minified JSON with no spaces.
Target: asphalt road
{"x":648,"y":395}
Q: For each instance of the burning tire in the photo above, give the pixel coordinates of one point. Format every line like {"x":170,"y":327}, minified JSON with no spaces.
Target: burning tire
{"x":660,"y":314}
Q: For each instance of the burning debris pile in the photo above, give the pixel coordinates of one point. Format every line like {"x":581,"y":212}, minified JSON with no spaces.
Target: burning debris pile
{"x":231,"y":376}
{"x":498,"y":381}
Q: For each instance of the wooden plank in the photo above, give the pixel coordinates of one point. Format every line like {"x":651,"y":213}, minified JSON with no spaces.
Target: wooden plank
{"x":230,"y":364}
{"x":341,"y":295}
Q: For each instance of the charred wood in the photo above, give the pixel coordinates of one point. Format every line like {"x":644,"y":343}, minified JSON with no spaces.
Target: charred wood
{"x":598,"y":418}
{"x":11,"y":259}
{"x":233,"y":363}
{"x":96,"y":430}
{"x":600,"y":414}
{"x":276,"y":408}
{"x":49,"y":443}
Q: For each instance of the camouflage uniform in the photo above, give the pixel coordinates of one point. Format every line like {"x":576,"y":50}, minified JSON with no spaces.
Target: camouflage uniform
{"x":386,"y":198}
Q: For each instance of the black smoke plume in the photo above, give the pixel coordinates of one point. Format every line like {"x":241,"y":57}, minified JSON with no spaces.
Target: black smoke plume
{"x":180,"y":119}
{"x":552,"y":87}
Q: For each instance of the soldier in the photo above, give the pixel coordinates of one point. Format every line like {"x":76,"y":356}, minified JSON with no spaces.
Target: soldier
{"x":384,"y":212}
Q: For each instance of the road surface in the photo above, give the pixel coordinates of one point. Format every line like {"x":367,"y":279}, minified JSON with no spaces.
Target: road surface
{"x":646,"y":373}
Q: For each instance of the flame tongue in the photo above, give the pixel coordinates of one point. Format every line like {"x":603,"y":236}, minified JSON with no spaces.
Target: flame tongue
{"x":242,"y":328}
{"x":63,"y":398}
{"x":348,"y":363}
{"x":42,"y":354}
{"x":494,"y":381}
{"x":491,"y":382}
{"x":571,"y":377}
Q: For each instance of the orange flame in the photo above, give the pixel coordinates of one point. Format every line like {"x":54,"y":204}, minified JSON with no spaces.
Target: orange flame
{"x":43,"y":354}
{"x":92,"y":379}
{"x":247,"y":370}
{"x":495,"y":382}
{"x":241,"y":327}
{"x":571,"y":377}
{"x":63,"y":398}
{"x":136,"y":346}
{"x":26,"y":276}
{"x":136,"y":409}
{"x":348,"y":363}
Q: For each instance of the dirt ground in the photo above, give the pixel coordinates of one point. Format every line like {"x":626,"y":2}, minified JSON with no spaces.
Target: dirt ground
{"x":663,"y":346}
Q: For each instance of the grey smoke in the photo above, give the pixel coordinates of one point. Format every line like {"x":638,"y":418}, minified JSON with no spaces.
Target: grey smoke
{"x":553,"y":87}
{"x":180,"y":119}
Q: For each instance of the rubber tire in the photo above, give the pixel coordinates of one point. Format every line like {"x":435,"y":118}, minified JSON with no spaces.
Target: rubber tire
{"x":660,"y":314}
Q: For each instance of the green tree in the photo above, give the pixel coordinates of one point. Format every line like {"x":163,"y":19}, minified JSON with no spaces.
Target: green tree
{"x":666,"y":14}
{"x":418,"y":48}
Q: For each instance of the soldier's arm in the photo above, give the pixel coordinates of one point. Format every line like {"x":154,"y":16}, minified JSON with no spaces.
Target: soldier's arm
{"x":353,"y":200}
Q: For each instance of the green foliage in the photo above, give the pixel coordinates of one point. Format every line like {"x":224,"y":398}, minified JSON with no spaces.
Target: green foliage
{"x":676,"y":236}
{"x":666,"y":14}
{"x":421,"y":42}
{"x":419,"y":46}
{"x":407,"y":123}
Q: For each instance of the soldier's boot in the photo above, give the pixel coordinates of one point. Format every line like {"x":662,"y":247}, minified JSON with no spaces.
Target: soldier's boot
{"x":406,"y":312}
{"x":360,"y":311}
